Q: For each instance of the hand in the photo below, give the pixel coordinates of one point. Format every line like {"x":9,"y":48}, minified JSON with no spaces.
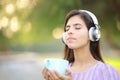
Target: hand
{"x":54,"y":75}
{"x":46,"y":73}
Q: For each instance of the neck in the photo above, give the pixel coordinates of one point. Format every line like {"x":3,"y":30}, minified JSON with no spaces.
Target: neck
{"x":83,"y":56}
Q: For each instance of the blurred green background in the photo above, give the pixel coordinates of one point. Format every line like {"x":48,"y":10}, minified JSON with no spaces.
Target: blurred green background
{"x":36,"y":26}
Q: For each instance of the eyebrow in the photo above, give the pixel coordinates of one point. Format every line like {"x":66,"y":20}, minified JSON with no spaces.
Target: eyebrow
{"x":73,"y":25}
{"x":76,"y":24}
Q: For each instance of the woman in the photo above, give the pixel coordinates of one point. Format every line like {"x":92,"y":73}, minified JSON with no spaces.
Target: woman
{"x":82,"y":50}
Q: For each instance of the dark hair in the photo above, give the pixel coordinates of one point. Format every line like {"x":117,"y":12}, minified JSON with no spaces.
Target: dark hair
{"x":94,"y":46}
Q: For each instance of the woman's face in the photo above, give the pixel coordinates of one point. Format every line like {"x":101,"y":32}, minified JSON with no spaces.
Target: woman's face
{"x":76,"y":33}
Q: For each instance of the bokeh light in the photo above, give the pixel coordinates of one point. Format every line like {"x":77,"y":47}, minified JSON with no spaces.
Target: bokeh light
{"x":4,"y":21}
{"x":14,"y":26}
{"x":10,"y":8}
{"x":21,"y":4}
{"x":57,"y":32}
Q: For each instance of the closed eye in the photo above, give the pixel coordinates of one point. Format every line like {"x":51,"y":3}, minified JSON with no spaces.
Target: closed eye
{"x":67,"y":28}
{"x":77,"y":26}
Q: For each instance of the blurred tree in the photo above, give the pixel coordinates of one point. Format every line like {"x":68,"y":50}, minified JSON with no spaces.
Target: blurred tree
{"x":116,"y":4}
{"x":37,"y":19}
{"x":13,"y":14}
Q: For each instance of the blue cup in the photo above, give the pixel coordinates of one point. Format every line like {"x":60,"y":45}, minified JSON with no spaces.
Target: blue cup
{"x":59,"y":65}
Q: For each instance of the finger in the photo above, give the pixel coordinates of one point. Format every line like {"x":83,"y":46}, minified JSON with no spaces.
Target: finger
{"x":53,"y":75}
{"x":50,"y":78}
{"x":68,"y":72}
{"x":68,"y":75}
{"x":59,"y":76}
{"x":45,"y":73}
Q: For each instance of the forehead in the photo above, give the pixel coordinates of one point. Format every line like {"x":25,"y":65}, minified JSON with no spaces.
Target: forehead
{"x":75,"y":19}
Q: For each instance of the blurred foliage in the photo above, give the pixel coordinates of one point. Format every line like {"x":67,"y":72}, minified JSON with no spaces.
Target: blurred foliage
{"x":36,"y":19}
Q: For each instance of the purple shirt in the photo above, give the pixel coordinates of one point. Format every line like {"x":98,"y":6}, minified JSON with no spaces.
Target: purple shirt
{"x":99,"y":71}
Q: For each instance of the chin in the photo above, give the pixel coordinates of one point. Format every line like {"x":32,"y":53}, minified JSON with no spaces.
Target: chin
{"x":75,"y":46}
{"x":72,"y":47}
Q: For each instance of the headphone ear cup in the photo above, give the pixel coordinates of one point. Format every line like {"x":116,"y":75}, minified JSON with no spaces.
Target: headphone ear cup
{"x":97,"y":34}
{"x":94,"y":34}
{"x":63,"y":38}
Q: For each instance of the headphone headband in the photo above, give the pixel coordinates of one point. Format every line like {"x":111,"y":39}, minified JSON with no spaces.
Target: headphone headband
{"x":92,"y":16}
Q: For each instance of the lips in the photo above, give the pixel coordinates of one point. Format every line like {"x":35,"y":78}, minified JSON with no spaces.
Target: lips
{"x":70,"y":39}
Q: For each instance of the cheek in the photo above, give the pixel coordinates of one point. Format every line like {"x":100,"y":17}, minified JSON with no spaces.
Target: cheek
{"x":82,"y":40}
{"x":83,"y":35}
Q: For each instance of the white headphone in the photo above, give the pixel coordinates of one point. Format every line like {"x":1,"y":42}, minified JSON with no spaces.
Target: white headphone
{"x":94,"y":32}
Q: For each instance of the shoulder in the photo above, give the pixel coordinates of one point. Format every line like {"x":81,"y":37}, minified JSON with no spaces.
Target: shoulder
{"x":105,"y":66}
{"x":106,"y":70}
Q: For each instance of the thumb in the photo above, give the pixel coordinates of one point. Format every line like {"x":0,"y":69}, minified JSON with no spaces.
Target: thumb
{"x":68,"y":72}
